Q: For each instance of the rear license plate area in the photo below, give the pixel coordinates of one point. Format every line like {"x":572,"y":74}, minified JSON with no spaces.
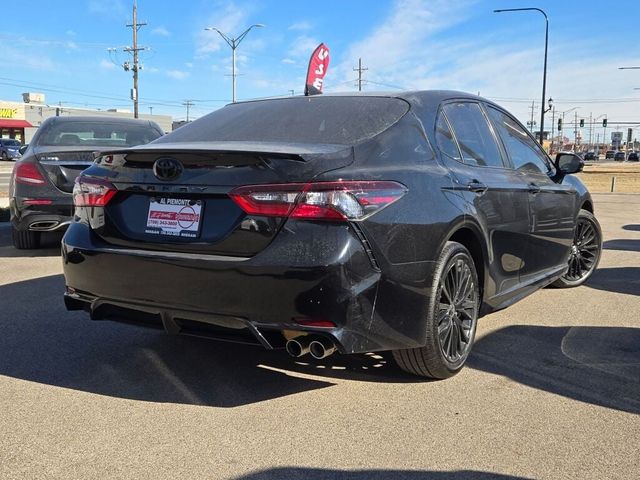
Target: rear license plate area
{"x":174,"y":217}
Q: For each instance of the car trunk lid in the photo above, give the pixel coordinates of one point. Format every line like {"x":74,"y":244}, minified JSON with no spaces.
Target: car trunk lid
{"x":193,"y":212}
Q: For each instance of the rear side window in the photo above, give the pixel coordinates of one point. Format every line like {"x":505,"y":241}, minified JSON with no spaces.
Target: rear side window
{"x":444,"y":139}
{"x":330,"y":120}
{"x":525,"y":154}
{"x":476,"y":141}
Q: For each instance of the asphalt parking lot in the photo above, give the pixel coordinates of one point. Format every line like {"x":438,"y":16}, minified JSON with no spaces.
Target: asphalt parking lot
{"x":552,"y":390}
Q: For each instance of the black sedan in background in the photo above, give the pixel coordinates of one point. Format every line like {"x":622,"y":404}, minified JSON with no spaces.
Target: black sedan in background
{"x":619,"y":156}
{"x":41,"y":185}
{"x":349,"y":223}
{"x":610,"y":154}
{"x":633,"y":157}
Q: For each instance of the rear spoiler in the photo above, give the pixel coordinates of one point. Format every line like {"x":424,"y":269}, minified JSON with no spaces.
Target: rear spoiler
{"x":302,"y":150}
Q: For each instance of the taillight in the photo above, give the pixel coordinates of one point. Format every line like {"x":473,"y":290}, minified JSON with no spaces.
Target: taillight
{"x":342,"y":200}
{"x":92,"y":192}
{"x":28,"y":174}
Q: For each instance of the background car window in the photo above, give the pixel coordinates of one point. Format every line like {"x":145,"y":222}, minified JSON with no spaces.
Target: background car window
{"x":444,"y":139}
{"x":92,"y":133}
{"x":524,"y":153}
{"x":475,"y":138}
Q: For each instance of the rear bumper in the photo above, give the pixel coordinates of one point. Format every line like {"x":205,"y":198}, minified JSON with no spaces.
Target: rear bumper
{"x":43,"y":218}
{"x":311,"y":271}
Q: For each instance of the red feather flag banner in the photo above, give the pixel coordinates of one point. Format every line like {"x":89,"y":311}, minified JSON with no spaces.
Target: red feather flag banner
{"x":318,"y":66}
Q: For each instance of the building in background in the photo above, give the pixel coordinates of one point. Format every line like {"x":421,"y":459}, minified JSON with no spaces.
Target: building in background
{"x":20,"y":120}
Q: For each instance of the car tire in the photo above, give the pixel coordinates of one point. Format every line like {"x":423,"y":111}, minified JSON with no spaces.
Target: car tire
{"x":586,"y":251}
{"x":25,"y":239}
{"x":4,"y":156}
{"x":452,"y":315}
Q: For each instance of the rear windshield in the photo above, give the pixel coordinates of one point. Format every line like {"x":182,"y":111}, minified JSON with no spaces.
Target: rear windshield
{"x":12,"y":143}
{"x":96,"y":134}
{"x":330,"y":120}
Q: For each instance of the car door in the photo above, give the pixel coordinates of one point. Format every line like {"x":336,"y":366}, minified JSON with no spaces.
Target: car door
{"x":495,"y":194}
{"x":552,"y":205}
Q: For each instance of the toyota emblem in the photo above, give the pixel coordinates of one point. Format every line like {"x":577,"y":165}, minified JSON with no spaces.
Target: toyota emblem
{"x":167,"y":168}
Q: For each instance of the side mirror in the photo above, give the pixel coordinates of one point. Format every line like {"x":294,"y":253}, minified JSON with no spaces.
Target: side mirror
{"x":567,"y":163}
{"x":23,"y":149}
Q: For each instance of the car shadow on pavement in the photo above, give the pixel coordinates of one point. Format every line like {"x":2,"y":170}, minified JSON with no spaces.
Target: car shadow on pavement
{"x":626,"y":244}
{"x":42,"y":342}
{"x":301,"y":473}
{"x":616,"y":279}
{"x":632,"y":227}
{"x":596,"y":365}
{"x":49,"y":245}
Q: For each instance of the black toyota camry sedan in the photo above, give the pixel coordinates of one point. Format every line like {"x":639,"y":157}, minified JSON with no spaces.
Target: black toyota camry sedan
{"x":41,"y":185}
{"x":334,"y":223}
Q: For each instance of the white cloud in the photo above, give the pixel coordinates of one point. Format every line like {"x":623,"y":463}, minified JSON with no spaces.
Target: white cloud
{"x":112,"y":8}
{"x":188,"y":64}
{"x":107,"y":65}
{"x":302,"y":47}
{"x":229,"y":19}
{"x":177,"y":74}
{"x":161,"y":31}
{"x":301,"y":26}
{"x":288,"y":61}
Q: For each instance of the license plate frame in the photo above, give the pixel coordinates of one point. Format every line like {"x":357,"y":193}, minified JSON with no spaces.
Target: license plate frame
{"x":178,"y":218}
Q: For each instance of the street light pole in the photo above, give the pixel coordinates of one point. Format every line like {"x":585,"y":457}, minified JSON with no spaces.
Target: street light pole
{"x":546,"y":46}
{"x":233,"y":43}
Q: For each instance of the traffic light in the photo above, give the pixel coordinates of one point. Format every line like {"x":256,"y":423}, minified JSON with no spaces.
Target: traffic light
{"x":581,"y":122}
{"x":604,"y":122}
{"x":559,"y":124}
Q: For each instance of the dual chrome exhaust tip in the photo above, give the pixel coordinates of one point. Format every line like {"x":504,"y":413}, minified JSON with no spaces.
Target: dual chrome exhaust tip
{"x":318,"y":347}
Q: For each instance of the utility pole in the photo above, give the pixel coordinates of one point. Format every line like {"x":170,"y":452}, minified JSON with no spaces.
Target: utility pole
{"x":134,"y":49}
{"x":575,"y":131}
{"x":531,"y":124}
{"x":360,"y":69}
{"x":590,"y":130}
{"x":553,"y":129}
{"x":188,"y":104}
{"x":150,"y":110}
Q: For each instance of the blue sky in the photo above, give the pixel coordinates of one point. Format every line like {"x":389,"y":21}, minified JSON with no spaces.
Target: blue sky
{"x":60,"y":49}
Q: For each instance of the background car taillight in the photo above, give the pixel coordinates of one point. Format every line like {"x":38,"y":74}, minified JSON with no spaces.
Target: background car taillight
{"x":28,"y":174}
{"x":342,"y":200}
{"x":92,"y":192}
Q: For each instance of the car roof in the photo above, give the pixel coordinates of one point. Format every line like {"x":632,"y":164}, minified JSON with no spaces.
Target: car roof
{"x":98,"y":118}
{"x":411,"y":96}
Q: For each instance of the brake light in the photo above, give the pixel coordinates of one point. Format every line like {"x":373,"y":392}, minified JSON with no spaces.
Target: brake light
{"x":92,"y":192}
{"x":28,"y":174}
{"x":342,"y":200}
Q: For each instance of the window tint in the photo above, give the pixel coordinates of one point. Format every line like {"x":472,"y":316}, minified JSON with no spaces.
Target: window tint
{"x":475,"y":139}
{"x":444,"y":138}
{"x":524,"y":153}
{"x":315,"y":119}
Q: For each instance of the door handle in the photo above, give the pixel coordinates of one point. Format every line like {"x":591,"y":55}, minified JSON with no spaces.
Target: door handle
{"x":533,"y":188}
{"x":477,"y":187}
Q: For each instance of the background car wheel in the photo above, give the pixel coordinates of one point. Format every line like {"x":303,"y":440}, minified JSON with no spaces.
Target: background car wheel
{"x":4,"y":156}
{"x":585,"y":251}
{"x":451,"y":320}
{"x":25,"y":239}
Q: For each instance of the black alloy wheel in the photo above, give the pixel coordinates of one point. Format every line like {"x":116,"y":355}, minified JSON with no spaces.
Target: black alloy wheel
{"x":585,"y":251}
{"x":452,"y":318}
{"x":457,"y":310}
